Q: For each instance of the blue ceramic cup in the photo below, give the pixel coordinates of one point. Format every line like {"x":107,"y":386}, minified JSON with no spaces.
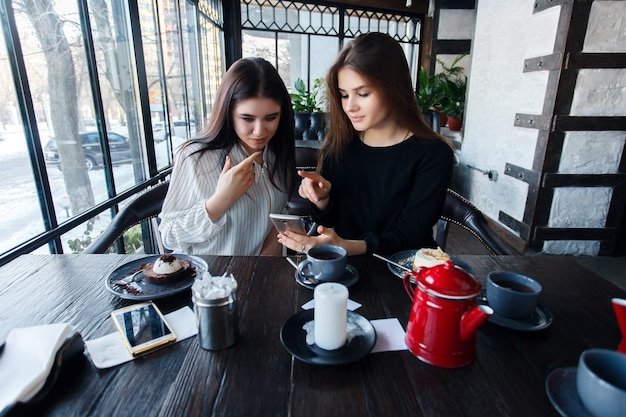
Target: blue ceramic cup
{"x":601,"y":382}
{"x":512,"y":295}
{"x":324,"y":263}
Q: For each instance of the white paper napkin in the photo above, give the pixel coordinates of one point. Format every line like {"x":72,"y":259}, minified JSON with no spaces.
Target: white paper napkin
{"x":109,"y":350}
{"x":389,"y":335}
{"x":27,"y":359}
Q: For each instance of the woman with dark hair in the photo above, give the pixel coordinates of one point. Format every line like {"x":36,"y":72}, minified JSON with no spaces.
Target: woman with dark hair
{"x":382,"y":171}
{"x":227,"y":180}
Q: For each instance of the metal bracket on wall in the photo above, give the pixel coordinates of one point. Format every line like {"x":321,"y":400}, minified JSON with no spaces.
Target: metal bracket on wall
{"x":541,"y":5}
{"x":532,"y":121}
{"x":543,"y":63}
{"x":528,"y":176}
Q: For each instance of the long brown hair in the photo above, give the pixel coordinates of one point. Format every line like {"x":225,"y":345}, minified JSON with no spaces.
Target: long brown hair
{"x":379,"y":59}
{"x":252,"y":78}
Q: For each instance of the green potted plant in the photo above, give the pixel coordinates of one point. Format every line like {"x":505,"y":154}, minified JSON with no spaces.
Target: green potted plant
{"x":454,"y":101}
{"x":430,"y":95}
{"x":309,"y":109}
{"x":453,"y":83}
{"x":308,"y":101}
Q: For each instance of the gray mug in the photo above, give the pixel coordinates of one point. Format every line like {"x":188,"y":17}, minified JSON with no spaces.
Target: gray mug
{"x":511,"y":294}
{"x":324,"y":263}
{"x":601,"y":382}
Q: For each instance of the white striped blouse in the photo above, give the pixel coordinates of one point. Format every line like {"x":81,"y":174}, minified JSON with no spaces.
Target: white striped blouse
{"x":185,"y":224}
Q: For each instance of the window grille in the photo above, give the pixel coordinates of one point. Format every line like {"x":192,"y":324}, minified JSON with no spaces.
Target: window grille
{"x":283,"y":21}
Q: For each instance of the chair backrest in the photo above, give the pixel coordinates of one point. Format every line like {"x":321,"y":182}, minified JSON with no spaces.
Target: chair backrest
{"x":309,"y":126}
{"x":458,"y":210}
{"x":144,"y":207}
{"x":306,"y":160}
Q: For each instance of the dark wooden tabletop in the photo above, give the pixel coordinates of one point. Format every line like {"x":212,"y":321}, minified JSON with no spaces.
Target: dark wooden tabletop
{"x":258,"y":377}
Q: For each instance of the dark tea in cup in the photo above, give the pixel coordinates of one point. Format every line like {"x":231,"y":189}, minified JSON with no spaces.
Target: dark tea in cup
{"x":516,"y":286}
{"x":327,"y":255}
{"x":324,"y":263}
{"x":512,"y":295}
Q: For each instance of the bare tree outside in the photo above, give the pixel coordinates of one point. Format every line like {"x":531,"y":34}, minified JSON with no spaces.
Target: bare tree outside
{"x":62,"y":94}
{"x":114,"y":48}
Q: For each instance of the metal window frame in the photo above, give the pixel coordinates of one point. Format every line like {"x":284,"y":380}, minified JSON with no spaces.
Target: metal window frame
{"x":343,"y":13}
{"x":52,"y":229}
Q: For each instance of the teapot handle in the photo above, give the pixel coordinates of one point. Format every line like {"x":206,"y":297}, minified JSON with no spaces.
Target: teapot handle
{"x":407,"y":284}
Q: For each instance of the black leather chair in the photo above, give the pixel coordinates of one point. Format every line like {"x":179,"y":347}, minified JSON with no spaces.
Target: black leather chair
{"x":458,"y":210}
{"x":146,"y":206}
{"x":306,"y":160}
{"x":309,"y":126}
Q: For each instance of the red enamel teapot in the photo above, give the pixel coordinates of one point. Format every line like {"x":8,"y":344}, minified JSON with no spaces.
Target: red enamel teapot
{"x":445,"y":315}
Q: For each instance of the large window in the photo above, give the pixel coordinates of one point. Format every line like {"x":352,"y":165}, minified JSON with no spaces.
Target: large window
{"x":302,"y":39}
{"x":97,"y":96}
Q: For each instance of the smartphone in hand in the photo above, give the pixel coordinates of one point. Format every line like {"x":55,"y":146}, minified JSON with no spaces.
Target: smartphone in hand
{"x":143,"y":327}
{"x":283,"y":222}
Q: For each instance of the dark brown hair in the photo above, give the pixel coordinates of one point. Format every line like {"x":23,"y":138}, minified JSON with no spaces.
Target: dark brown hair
{"x":252,"y":78}
{"x":379,"y":59}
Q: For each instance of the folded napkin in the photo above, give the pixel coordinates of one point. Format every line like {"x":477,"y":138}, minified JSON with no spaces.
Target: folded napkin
{"x":27,"y":359}
{"x":110,"y":350}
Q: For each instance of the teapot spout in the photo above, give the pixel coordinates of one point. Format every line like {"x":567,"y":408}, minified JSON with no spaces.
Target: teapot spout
{"x":473,"y":319}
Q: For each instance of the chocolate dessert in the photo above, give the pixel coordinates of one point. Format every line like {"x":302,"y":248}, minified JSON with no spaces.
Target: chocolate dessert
{"x":167,"y":269}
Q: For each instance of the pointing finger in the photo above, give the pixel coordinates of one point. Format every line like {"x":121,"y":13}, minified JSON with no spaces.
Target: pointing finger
{"x":227,"y":164}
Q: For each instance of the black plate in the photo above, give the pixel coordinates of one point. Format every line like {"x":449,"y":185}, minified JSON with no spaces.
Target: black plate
{"x":349,"y":278}
{"x":540,"y":319}
{"x":563,"y":394}
{"x":293,"y":338}
{"x":140,"y":289}
{"x":405,"y":258}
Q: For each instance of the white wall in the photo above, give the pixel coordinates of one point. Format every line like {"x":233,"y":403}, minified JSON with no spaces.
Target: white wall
{"x":498,"y":88}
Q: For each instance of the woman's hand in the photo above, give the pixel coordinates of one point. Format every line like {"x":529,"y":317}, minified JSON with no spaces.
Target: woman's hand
{"x":327,"y":236}
{"x":314,"y":188}
{"x":233,"y":182}
{"x":302,"y":243}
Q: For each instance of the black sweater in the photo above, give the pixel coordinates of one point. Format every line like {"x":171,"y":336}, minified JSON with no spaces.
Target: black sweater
{"x":391,"y":197}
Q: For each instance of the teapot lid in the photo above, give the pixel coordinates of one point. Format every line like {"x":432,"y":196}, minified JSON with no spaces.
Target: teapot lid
{"x":448,"y":281}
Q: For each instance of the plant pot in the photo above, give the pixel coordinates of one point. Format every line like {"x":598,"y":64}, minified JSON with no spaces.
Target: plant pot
{"x":443,"y":119}
{"x":454,"y":123}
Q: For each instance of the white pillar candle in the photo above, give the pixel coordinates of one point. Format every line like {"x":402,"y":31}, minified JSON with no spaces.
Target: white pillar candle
{"x":331,"y":315}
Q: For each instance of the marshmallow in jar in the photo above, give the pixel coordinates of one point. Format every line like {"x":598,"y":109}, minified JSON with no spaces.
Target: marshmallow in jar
{"x":331,"y":315}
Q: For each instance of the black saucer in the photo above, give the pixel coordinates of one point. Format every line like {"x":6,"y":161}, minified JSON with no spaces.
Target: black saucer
{"x":349,"y":278}
{"x":540,"y":319}
{"x":562,"y":392}
{"x":293,"y":338}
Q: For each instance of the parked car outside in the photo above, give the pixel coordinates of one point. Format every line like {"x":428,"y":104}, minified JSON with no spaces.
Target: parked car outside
{"x":118,"y":145}
{"x":179,"y":128}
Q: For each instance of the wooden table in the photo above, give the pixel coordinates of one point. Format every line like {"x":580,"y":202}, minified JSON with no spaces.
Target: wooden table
{"x":258,"y":377}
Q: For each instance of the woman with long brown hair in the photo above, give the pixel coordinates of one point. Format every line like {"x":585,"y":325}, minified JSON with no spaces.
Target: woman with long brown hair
{"x":227,"y":180}
{"x":382,"y":171}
